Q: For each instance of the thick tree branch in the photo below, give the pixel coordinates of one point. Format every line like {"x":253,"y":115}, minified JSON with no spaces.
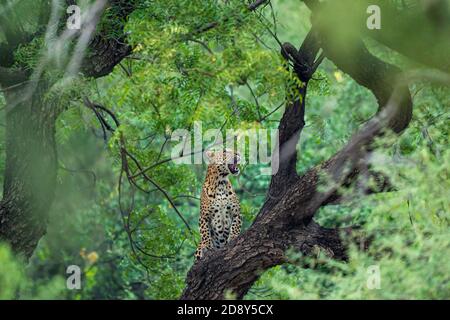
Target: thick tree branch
{"x":292,"y":121}
{"x":286,"y":222}
{"x":31,"y":159}
{"x":287,"y":225}
{"x":30,"y":172}
{"x":419,"y":32}
{"x":10,"y":78}
{"x":104,"y":51}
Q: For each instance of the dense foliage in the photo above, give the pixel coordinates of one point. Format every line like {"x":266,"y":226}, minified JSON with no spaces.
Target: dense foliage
{"x":129,"y":240}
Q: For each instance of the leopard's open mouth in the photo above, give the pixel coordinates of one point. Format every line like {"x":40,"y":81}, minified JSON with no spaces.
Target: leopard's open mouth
{"x":234,"y":170}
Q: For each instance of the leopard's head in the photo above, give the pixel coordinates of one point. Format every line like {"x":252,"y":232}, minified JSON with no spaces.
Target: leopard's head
{"x":226,"y":161}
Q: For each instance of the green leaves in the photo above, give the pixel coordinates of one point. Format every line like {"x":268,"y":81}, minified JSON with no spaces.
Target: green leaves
{"x":214,"y":62}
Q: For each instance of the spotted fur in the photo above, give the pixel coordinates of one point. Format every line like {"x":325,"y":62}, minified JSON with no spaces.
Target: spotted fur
{"x":220,"y":213}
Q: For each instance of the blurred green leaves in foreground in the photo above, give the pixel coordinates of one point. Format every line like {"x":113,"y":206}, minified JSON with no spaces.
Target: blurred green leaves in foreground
{"x":175,"y":82}
{"x":15,"y":283}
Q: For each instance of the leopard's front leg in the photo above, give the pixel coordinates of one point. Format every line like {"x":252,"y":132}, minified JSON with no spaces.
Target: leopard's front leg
{"x":205,"y":242}
{"x":235,"y":229}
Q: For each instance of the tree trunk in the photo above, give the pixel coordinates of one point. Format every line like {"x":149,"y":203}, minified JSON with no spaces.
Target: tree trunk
{"x":263,"y":246}
{"x":30,"y":171}
{"x":31,"y":162}
{"x":286,"y":220}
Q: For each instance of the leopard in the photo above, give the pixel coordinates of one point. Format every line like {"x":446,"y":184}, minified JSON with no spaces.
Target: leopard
{"x":220,"y":212}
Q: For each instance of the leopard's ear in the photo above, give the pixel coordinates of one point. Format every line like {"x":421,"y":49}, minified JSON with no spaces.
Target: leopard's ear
{"x":209,"y":154}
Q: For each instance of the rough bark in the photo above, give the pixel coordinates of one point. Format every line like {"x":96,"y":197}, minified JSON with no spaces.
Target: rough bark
{"x":292,"y":121}
{"x":30,"y":171}
{"x":261,"y":247}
